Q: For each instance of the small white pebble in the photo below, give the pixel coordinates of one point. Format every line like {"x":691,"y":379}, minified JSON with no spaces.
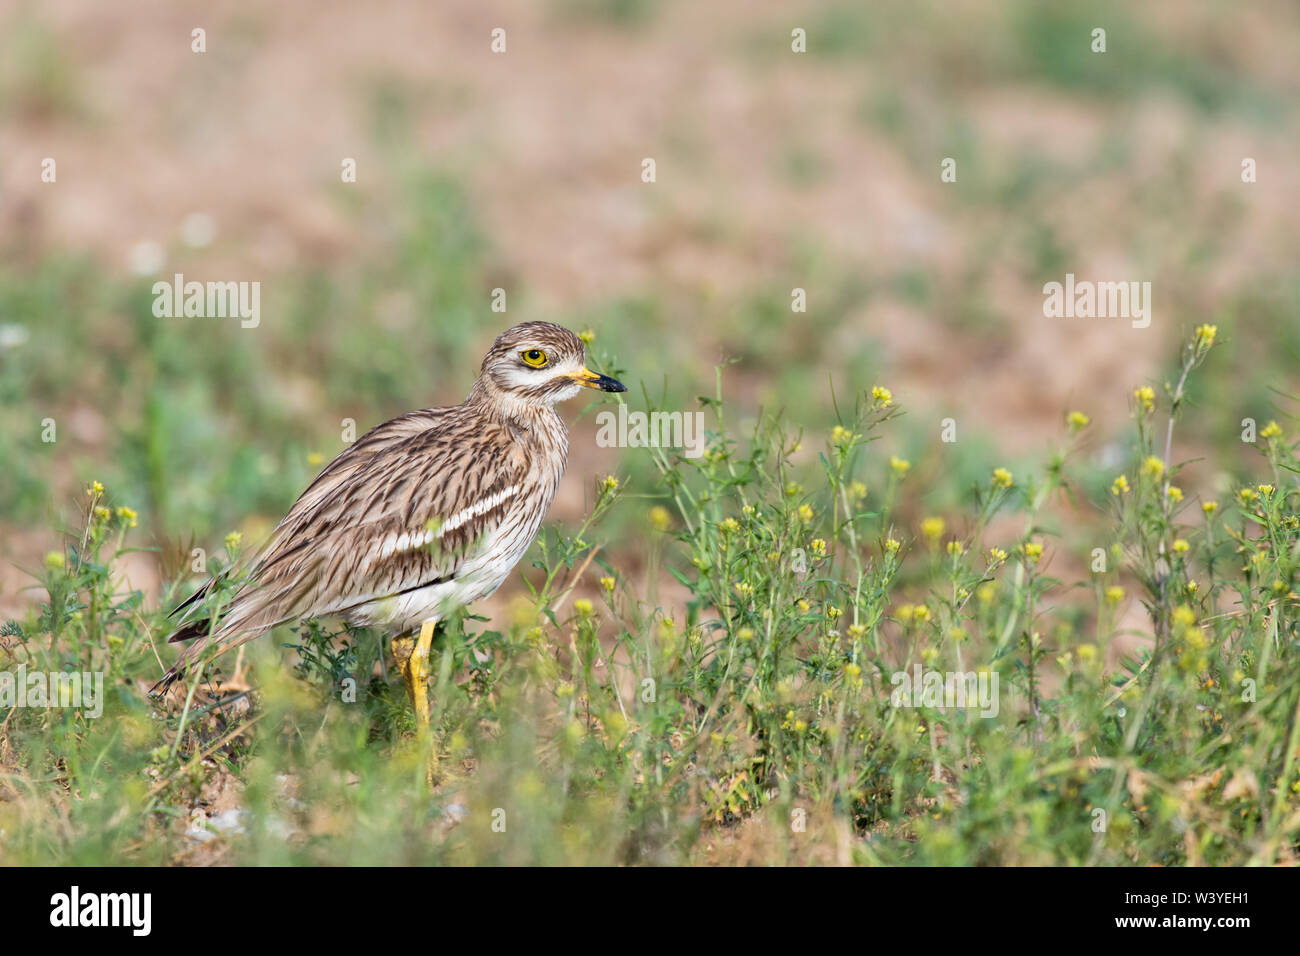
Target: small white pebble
{"x":228,"y":821}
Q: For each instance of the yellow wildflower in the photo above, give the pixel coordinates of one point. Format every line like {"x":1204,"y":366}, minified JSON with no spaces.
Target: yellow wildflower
{"x":932,"y":528}
{"x":1153,"y":467}
{"x":660,"y":519}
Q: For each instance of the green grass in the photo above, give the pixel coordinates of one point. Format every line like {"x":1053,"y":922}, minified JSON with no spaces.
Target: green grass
{"x":759,"y":722}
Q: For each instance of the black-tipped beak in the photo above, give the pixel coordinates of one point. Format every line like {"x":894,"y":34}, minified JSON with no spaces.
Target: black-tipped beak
{"x":589,"y":379}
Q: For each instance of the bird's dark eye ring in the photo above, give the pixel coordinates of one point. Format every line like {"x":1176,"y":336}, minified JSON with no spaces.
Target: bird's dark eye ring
{"x":534,"y":357}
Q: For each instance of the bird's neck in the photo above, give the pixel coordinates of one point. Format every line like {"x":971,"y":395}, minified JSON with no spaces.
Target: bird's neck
{"x":534,"y":423}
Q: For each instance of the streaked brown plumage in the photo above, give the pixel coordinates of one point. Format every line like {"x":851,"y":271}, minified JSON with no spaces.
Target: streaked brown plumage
{"x":423,"y":514}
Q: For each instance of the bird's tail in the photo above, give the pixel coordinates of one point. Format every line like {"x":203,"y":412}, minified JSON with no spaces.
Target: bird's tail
{"x":175,"y":673}
{"x":238,"y":623}
{"x":199,"y":631}
{"x":208,"y":643}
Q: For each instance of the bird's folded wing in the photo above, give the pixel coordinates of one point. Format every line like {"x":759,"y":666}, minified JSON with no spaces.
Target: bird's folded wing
{"x":402,"y":508}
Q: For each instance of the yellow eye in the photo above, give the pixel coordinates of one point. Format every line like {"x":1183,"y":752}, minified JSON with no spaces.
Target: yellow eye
{"x":534,"y":357}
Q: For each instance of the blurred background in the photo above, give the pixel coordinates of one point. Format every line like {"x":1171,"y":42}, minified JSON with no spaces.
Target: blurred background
{"x":522,"y":170}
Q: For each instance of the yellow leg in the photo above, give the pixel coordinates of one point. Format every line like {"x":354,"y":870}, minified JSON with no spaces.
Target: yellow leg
{"x":402,"y":648}
{"x":413,"y":661}
{"x":419,"y":666}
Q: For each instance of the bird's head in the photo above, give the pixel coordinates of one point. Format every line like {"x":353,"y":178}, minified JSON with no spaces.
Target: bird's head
{"x":538,"y":364}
